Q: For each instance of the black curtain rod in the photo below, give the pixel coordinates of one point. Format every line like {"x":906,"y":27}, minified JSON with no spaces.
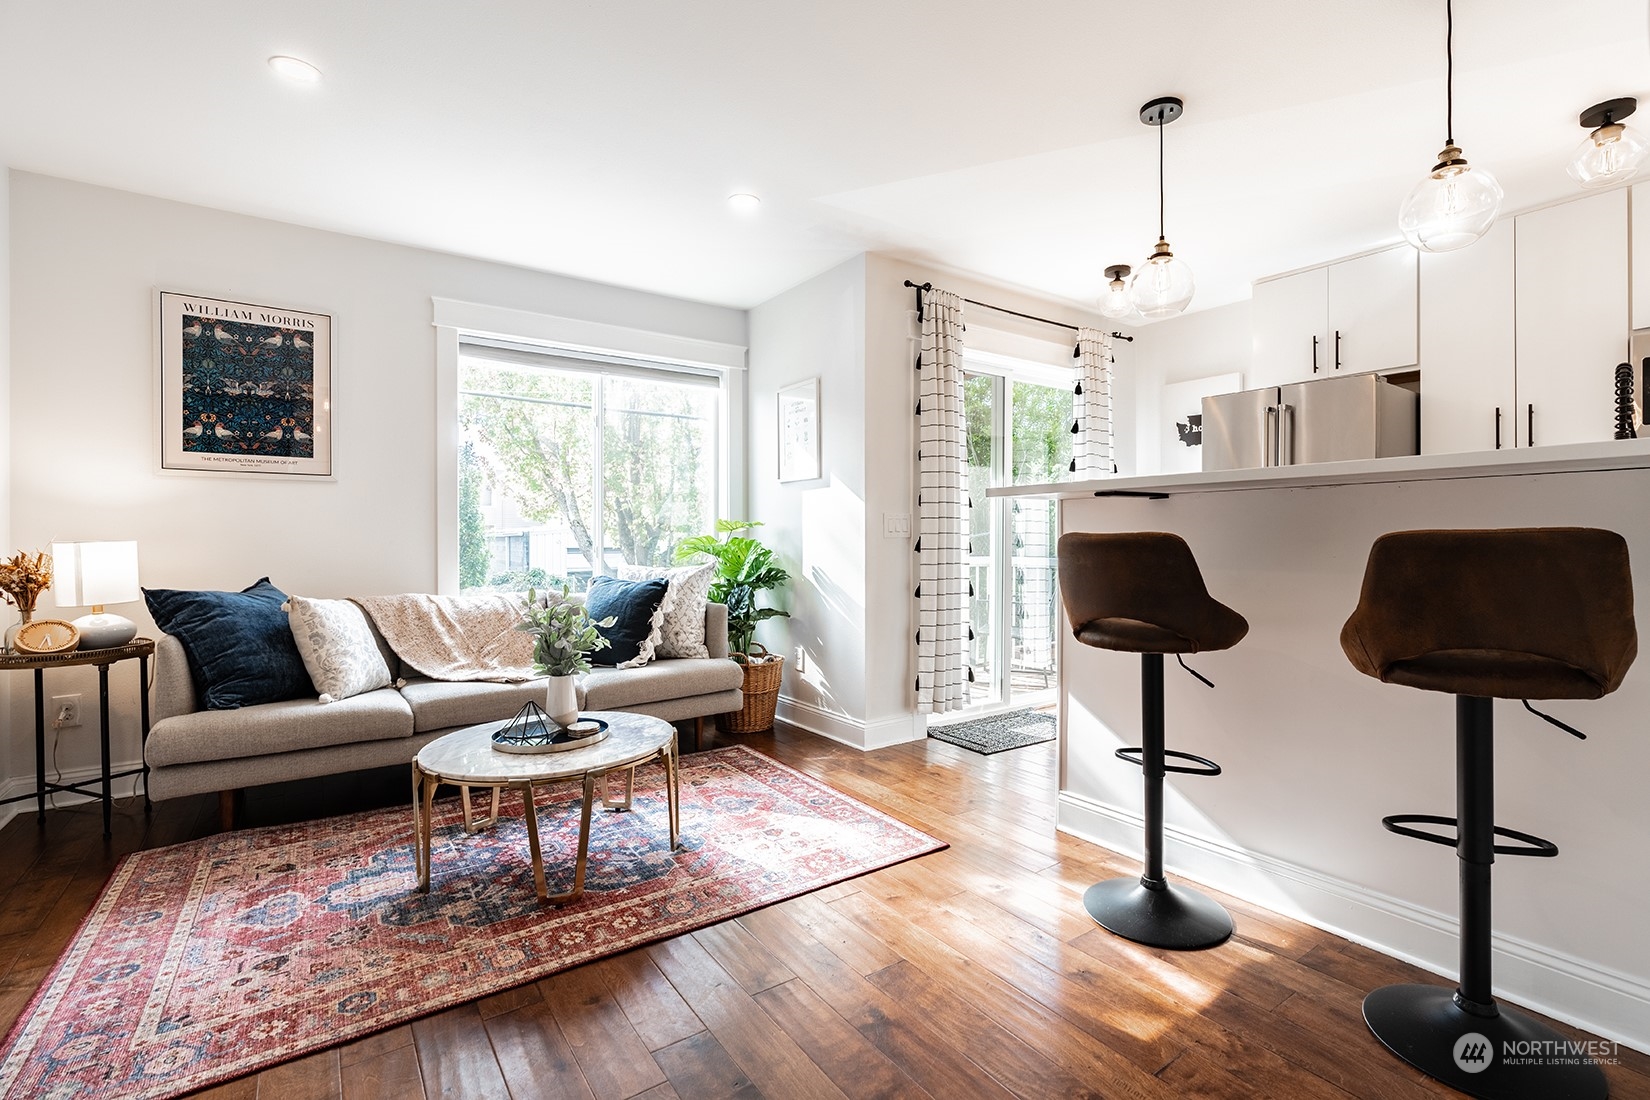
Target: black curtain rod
{"x":920,"y":287}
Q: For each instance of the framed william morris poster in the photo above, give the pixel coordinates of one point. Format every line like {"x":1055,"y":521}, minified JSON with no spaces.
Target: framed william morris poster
{"x":245,"y":388}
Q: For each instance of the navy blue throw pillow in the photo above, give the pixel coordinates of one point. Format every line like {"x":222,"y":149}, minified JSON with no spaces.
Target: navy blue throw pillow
{"x":239,"y":644}
{"x":632,"y":605}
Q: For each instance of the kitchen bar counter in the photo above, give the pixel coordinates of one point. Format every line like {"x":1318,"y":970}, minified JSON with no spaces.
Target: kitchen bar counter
{"x":1315,"y":754}
{"x":1622,"y":454}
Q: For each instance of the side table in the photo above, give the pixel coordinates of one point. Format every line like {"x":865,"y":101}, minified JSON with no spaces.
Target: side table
{"x":139,"y":648}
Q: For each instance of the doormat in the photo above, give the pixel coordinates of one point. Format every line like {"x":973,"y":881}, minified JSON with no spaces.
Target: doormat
{"x":1000,"y":732}
{"x":221,"y":956}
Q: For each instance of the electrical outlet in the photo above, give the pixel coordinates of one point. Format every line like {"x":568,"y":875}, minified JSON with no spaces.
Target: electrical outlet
{"x":65,"y":711}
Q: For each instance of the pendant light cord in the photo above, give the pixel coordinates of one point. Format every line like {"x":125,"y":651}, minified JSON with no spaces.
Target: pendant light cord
{"x":1449,"y":71}
{"x":1161,"y":123}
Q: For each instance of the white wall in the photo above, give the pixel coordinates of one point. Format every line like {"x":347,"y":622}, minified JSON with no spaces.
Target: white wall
{"x":1213,"y":341}
{"x":1316,"y":753}
{"x":6,"y":546}
{"x":85,"y":262}
{"x":816,"y":329}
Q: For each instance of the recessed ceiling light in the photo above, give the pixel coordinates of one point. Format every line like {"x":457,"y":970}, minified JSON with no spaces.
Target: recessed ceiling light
{"x":744,"y":203}
{"x":295,"y":70}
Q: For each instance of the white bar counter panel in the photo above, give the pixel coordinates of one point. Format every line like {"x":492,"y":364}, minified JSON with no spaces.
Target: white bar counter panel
{"x":1315,"y":754}
{"x":1625,"y":454}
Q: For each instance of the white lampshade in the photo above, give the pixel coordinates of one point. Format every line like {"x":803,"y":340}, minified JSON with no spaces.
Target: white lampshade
{"x":90,"y":574}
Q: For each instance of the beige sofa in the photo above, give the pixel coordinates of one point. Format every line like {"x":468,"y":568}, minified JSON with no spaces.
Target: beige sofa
{"x":192,"y":751}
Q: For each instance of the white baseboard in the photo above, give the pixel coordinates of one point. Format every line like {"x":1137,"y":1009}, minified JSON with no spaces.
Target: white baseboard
{"x":124,"y":787}
{"x":1567,"y":988}
{"x":851,"y":731}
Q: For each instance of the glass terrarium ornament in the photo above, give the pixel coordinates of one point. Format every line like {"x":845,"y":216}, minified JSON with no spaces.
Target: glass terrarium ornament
{"x":533,"y":731}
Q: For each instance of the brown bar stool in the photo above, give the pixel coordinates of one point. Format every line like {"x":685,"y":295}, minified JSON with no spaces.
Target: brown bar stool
{"x":1141,"y":592}
{"x":1534,"y":613}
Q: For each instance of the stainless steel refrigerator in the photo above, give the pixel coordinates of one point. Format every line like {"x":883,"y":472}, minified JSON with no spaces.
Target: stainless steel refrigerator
{"x":1328,"y":420}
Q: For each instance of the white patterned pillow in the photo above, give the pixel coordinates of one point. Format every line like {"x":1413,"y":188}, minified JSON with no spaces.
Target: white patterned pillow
{"x":683,"y":632}
{"x":337,"y":647}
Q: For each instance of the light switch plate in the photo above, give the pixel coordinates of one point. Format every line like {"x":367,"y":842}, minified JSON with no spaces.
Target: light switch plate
{"x":896,"y":525}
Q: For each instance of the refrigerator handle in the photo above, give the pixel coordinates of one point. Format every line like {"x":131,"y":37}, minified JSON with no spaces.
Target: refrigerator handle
{"x":1286,"y":435}
{"x":1269,"y":436}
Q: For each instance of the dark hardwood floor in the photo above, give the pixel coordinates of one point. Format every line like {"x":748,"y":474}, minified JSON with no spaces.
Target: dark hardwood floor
{"x":970,"y":973}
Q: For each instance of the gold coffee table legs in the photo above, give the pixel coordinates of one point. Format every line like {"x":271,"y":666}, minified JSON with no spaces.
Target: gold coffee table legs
{"x":583,"y":858}
{"x":425,"y":784}
{"x":473,"y":824}
{"x":673,"y":795}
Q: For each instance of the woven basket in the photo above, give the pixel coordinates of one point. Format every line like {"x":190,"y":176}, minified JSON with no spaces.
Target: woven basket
{"x":761,"y":695}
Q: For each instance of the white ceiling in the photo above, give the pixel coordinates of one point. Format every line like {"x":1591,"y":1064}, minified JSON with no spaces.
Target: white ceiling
{"x":600,"y":140}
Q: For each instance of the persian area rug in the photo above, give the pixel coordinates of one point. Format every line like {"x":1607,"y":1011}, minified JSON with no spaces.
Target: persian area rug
{"x":1000,"y":732}
{"x":211,"y":959}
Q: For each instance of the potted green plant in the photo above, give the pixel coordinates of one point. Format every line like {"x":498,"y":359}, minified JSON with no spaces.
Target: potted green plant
{"x":744,"y":568}
{"x":564,"y":637}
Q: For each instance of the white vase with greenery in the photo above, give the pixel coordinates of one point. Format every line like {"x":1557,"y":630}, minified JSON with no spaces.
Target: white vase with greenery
{"x":564,"y":637}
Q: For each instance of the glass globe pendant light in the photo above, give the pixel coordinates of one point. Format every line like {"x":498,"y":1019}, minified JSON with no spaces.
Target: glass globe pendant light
{"x":1115,"y":303}
{"x":1457,"y":203}
{"x":1163,"y":286}
{"x":1612,"y":152}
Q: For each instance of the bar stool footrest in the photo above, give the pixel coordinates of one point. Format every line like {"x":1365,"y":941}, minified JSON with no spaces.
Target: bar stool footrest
{"x":1528,"y":845}
{"x":1134,"y":753}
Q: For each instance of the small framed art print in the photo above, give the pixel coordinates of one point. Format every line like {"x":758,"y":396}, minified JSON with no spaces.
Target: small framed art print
{"x":799,"y":431}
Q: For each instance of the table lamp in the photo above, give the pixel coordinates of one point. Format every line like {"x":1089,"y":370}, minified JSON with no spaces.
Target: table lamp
{"x":91,"y":574}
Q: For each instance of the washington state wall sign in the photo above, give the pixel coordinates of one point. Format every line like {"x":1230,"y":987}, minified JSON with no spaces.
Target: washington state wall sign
{"x":244,"y":388}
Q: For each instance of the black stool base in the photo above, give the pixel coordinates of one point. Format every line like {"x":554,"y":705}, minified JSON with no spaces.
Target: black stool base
{"x":1174,"y":917}
{"x":1422,"y":1023}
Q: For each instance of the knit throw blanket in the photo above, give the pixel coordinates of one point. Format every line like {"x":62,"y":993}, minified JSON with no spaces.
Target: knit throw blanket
{"x":455,"y":637}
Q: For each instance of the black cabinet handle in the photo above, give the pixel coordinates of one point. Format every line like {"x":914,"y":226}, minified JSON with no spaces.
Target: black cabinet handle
{"x":1314,"y":355}
{"x":1498,"y":427}
{"x":1337,"y":349}
{"x":1529,"y":431}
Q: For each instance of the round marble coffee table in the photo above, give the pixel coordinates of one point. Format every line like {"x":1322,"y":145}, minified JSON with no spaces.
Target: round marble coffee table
{"x":467,"y":758}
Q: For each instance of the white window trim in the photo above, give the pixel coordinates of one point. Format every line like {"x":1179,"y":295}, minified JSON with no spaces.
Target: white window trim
{"x":1022,"y":370}
{"x":454,"y":319}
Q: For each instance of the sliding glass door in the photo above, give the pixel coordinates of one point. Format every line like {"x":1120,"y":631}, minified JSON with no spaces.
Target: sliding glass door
{"x":1018,"y":421}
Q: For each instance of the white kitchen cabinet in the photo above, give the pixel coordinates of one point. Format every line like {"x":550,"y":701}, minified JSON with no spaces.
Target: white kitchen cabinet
{"x":1289,"y":319}
{"x":1572,"y":318}
{"x":1641,"y":255}
{"x":1372,"y":312}
{"x":1468,"y":398}
{"x":1351,"y":317}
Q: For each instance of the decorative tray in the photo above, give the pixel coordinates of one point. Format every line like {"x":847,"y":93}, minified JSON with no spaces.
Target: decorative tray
{"x":532,"y":731}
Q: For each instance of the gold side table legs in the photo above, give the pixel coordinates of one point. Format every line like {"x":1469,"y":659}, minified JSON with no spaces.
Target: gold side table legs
{"x":425,"y":784}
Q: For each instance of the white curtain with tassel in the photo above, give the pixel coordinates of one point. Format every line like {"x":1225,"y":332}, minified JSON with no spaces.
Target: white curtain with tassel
{"x":1091,"y":407}
{"x":942,"y":593}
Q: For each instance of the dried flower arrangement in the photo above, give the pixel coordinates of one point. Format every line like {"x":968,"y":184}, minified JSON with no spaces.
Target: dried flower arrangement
{"x":23,"y":578}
